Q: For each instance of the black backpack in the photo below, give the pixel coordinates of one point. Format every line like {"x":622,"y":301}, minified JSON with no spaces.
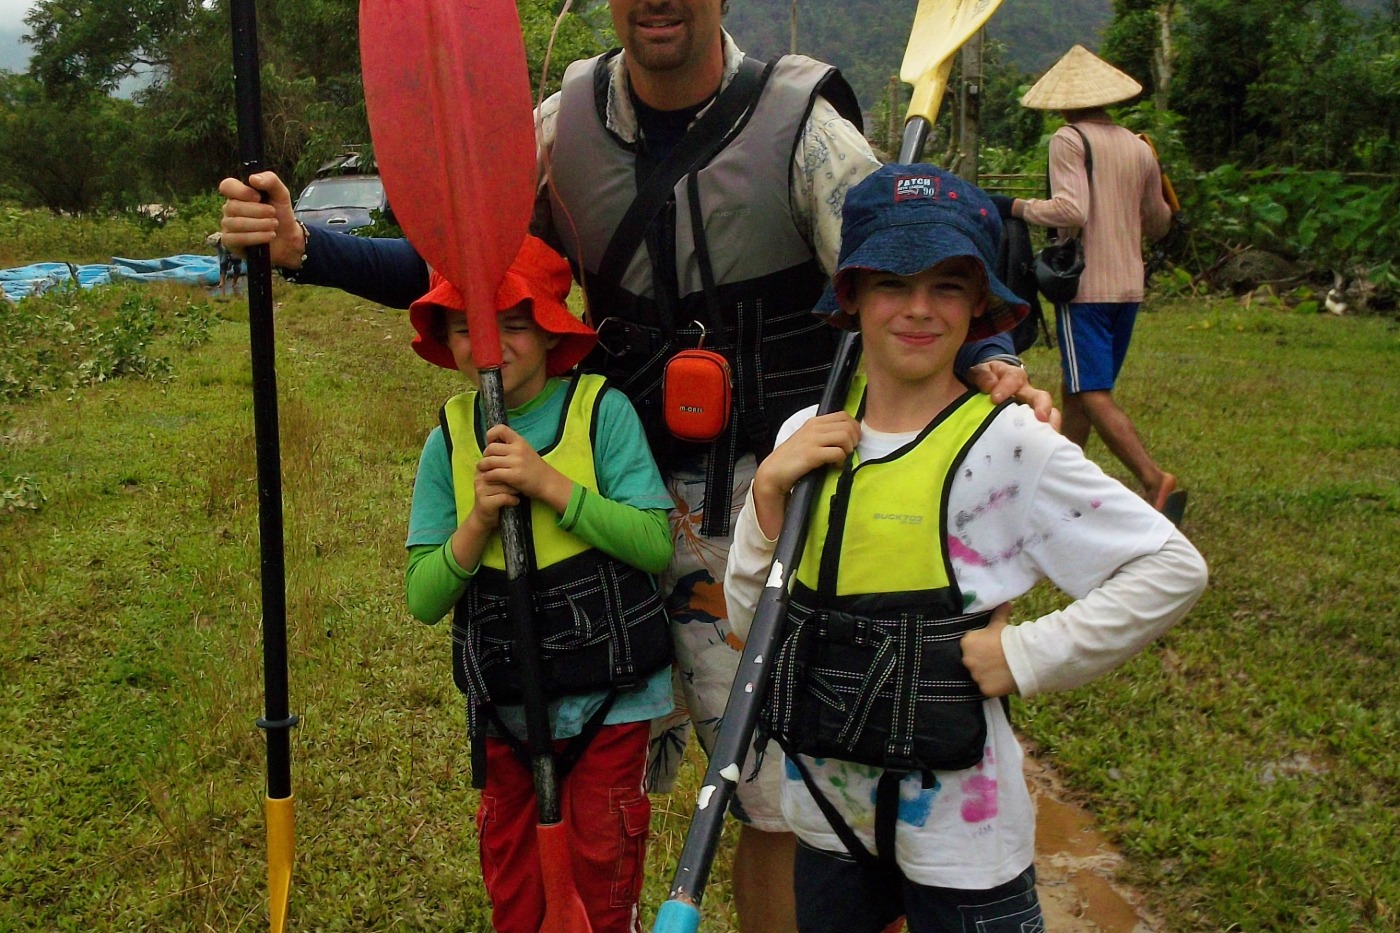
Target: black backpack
{"x":1015,"y":266}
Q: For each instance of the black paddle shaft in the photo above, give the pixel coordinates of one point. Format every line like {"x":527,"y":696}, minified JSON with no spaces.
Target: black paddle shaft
{"x":746,"y":696}
{"x":277,"y":722}
{"x":515,"y":541}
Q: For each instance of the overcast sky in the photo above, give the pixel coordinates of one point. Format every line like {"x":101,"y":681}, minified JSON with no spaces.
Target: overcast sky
{"x":12,"y":14}
{"x":14,"y":55}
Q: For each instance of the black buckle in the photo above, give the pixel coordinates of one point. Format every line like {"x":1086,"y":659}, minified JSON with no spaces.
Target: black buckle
{"x":843,"y":628}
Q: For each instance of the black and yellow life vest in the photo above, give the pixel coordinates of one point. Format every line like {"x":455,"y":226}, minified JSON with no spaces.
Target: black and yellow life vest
{"x":601,"y":621}
{"x":870,"y":668}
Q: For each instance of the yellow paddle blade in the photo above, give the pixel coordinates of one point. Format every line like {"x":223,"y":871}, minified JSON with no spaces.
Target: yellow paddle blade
{"x":928,"y":92}
{"x":940,"y":29}
{"x":281,"y":849}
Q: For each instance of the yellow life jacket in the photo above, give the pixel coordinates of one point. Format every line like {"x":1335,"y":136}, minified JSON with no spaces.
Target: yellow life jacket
{"x":600,"y":621}
{"x":870,"y":667}
{"x":888,"y":513}
{"x":571,"y":453}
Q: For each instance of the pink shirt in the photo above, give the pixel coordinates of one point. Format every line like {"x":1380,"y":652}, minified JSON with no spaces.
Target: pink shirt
{"x":1123,"y":203}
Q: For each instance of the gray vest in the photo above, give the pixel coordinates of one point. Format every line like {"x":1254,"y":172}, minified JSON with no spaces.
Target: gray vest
{"x":744,"y":190}
{"x":743,"y":271}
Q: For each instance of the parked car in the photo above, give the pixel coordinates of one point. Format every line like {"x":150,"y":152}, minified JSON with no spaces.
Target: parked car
{"x":341,"y":202}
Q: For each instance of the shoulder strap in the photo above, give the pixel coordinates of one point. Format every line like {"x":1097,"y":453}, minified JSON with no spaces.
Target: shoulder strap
{"x":706,"y":137}
{"x":1088,"y":153}
{"x":1088,"y":159}
{"x":1088,"y":170}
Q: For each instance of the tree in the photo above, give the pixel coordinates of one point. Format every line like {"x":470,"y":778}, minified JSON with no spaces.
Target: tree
{"x":64,"y":153}
{"x":97,"y":43}
{"x":183,"y":127}
{"x":1287,"y":82}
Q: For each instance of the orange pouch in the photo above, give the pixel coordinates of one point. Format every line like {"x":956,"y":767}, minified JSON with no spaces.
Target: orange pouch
{"x":696,"y":395}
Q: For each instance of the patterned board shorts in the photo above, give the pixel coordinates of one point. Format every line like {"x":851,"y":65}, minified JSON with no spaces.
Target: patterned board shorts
{"x":707,"y":654}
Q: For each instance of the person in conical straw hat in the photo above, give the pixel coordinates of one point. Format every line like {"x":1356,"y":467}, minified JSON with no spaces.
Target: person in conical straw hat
{"x":1105,"y":188}
{"x":1080,"y":81}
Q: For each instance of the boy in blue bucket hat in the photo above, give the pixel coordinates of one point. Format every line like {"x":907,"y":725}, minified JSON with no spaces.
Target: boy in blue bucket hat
{"x":903,"y":778}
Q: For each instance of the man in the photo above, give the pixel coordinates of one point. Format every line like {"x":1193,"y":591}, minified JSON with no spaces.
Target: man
{"x":734,"y":252}
{"x":1105,"y":182}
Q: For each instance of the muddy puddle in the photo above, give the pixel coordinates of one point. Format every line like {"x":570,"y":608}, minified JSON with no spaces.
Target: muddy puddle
{"x":1076,"y":867}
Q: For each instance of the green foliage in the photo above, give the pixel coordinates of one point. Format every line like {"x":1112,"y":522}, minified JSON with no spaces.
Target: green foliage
{"x":1132,"y":40}
{"x":382,"y":225}
{"x":179,"y":136}
{"x":1005,"y":122}
{"x":19,"y":493}
{"x":70,"y":338}
{"x":1304,"y":83}
{"x":1329,"y":220}
{"x":93,"y":44}
{"x":28,"y":236}
{"x":866,"y":39}
{"x":66,"y":150}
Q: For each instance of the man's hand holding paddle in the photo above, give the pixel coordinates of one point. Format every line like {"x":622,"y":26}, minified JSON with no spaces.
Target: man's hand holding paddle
{"x":249,"y":220}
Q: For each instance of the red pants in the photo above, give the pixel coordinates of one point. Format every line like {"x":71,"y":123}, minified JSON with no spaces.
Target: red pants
{"x":607,"y":814}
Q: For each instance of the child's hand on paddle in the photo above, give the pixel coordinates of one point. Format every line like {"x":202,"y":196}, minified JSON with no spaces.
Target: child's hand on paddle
{"x":984,"y":658}
{"x":510,"y":462}
{"x":826,"y":440}
{"x":469,"y":540}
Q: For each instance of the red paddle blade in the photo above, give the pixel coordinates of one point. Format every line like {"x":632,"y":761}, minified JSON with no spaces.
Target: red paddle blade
{"x":563,"y":908}
{"x":448,"y":94}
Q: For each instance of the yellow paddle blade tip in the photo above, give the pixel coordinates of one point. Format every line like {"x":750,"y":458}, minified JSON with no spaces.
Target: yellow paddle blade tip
{"x":281,"y":850}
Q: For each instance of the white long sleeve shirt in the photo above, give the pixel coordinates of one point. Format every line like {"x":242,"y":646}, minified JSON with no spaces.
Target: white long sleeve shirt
{"x":1025,"y":505}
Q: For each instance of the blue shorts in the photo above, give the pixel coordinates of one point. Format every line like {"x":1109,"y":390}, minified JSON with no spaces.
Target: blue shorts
{"x":1093,"y":343}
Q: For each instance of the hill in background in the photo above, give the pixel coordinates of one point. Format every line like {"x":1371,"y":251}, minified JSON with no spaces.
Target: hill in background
{"x":866,"y":38}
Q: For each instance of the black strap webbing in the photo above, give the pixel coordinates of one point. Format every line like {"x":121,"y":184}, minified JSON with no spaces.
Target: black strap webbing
{"x":886,"y":818}
{"x":1088,"y":170}
{"x":706,"y":137}
{"x":564,"y":762}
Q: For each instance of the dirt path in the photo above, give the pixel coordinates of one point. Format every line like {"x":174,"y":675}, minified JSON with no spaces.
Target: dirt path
{"x":1076,"y":866}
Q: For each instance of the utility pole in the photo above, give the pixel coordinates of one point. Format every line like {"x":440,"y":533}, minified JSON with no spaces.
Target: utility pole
{"x":895,"y":124}
{"x":970,"y":107}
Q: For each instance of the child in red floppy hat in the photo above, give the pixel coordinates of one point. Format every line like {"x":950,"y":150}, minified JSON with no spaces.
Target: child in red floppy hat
{"x":575,"y":450}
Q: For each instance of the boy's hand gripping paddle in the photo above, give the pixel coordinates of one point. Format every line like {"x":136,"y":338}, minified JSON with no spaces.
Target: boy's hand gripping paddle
{"x":940,"y":29}
{"x":448,"y":94}
{"x":277,"y":722}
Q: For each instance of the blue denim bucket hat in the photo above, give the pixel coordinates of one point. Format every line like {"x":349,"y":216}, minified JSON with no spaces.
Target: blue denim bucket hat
{"x":907,"y":218}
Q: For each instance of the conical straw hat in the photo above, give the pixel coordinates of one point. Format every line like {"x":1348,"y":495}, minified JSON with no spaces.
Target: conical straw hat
{"x":1078,"y":81}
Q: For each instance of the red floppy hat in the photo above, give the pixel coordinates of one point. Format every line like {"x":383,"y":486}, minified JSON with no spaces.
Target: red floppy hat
{"x":539,"y":278}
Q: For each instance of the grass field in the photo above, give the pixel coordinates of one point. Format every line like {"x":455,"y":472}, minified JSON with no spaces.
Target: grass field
{"x":1246,"y":763}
